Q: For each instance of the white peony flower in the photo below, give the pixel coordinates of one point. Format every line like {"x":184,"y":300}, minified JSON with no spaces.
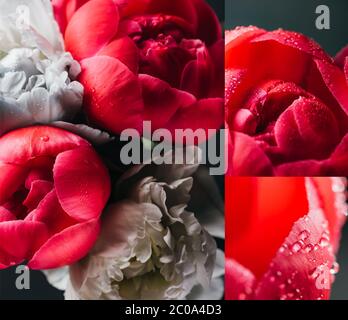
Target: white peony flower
{"x":36,"y":75}
{"x":151,"y":245}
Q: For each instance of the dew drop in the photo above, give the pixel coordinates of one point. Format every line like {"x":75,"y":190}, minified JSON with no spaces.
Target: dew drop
{"x":323,"y":242}
{"x":296,"y":247}
{"x":304,"y":235}
{"x":45,"y":138}
{"x":308,"y":248}
{"x":335,"y":268}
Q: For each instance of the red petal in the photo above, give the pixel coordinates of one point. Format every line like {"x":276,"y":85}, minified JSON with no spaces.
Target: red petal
{"x":337,"y":164}
{"x":91,"y":28}
{"x":112,"y":94}
{"x":125,"y":50}
{"x":341,"y":57}
{"x":261,"y":207}
{"x":22,"y":145}
{"x":64,"y":10}
{"x":296,"y":41}
{"x":301,"y":268}
{"x":236,"y":38}
{"x":20,"y":239}
{"x":11,"y":177}
{"x":50,"y":212}
{"x":180,"y":8}
{"x":162,"y":101}
{"x":234,"y":88}
{"x":306,"y":130}
{"x":310,"y":168}
{"x":332,"y":196}
{"x":335,"y":80}
{"x":198,"y":75}
{"x":239,"y":281}
{"x":39,"y":189}
{"x":205,"y":114}
{"x":82,"y":183}
{"x":67,"y":247}
{"x":248,"y":158}
{"x":6,"y":215}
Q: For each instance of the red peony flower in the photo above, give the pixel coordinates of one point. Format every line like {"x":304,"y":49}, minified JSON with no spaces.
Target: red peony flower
{"x":282,"y":236}
{"x":286,"y":105}
{"x":146,"y":60}
{"x":53,"y":188}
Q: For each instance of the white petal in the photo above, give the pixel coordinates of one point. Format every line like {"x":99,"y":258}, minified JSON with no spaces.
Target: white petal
{"x":29,"y":23}
{"x":58,"y":278}
{"x":214,"y":292}
{"x":95,"y":136}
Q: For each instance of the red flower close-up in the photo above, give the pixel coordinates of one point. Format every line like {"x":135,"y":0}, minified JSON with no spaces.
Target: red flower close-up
{"x":53,"y":189}
{"x":146,"y":60}
{"x":282,"y":237}
{"x":286,"y":105}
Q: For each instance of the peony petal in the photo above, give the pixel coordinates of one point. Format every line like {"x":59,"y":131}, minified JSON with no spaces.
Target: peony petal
{"x":236,"y":38}
{"x":335,"y":81}
{"x":258,"y":218}
{"x":91,"y":28}
{"x":58,"y":278}
{"x":67,"y":247}
{"x":11,"y":178}
{"x":332,"y":197}
{"x":6,"y":215}
{"x":125,"y":50}
{"x":306,"y":130}
{"x":64,"y":10}
{"x":19,"y":146}
{"x":310,"y":168}
{"x":302,"y":267}
{"x":162,"y":101}
{"x":82,"y":183}
{"x":239,"y":281}
{"x":38,"y":190}
{"x":235,"y":87}
{"x":204,"y":114}
{"x":341,"y":57}
{"x":198,"y":75}
{"x":247,"y":157}
{"x":112,"y":94}
{"x":50,"y":212}
{"x":337,"y":164}
{"x":296,"y":41}
{"x":20,"y":239}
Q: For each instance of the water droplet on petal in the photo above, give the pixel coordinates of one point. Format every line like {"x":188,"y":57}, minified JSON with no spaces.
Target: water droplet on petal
{"x":335,"y":268}
{"x":296,"y":247}
{"x":304,"y":235}
{"x":323,"y":242}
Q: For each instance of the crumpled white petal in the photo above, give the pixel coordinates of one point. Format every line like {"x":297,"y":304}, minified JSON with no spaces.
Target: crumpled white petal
{"x":37,"y":78}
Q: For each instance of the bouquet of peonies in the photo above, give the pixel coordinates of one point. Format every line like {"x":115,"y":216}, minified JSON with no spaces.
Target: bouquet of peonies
{"x":74,"y":74}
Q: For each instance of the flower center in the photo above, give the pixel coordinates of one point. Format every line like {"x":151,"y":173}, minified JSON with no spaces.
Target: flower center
{"x":164,"y":47}
{"x":37,"y":184}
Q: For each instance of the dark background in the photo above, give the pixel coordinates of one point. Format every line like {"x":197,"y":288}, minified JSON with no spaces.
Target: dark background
{"x":296,"y":15}
{"x":39,"y":288}
{"x":299,"y":15}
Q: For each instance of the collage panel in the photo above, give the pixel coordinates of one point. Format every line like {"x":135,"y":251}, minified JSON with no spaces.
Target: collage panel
{"x":286,"y":107}
{"x":111,"y":152}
